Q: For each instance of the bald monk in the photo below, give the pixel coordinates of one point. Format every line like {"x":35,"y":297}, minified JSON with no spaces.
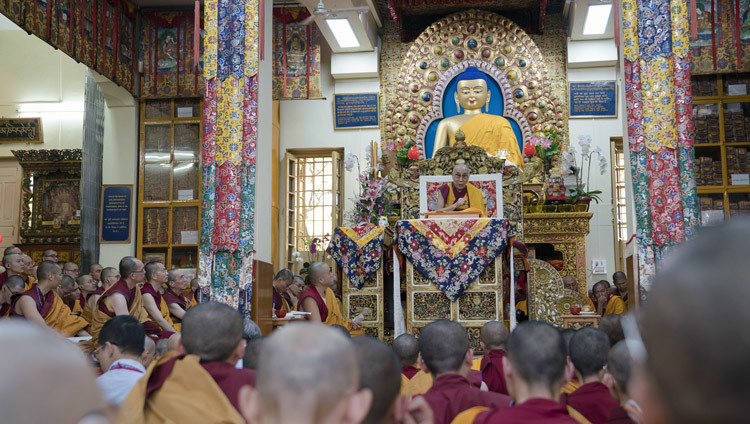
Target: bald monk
{"x":70,"y":294}
{"x":492,"y":338}
{"x":319,"y":300}
{"x":33,"y":361}
{"x":447,"y":356}
{"x":695,"y":332}
{"x":174,"y":297}
{"x":281,"y":282}
{"x":380,"y":373}
{"x":122,"y":298}
{"x":109,"y":277}
{"x":13,"y":285}
{"x":87,"y":287}
{"x":570,"y":283}
{"x":323,"y":382}
{"x":8,"y":250}
{"x":192,"y":293}
{"x":149,"y":351}
{"x":460,"y":195}
{"x":42,"y":305}
{"x":252,"y":353}
{"x":406,"y":348}
{"x":491,"y":132}
{"x":620,"y":283}
{"x":605,"y":302}
{"x":13,"y":264}
{"x":588,"y":352}
{"x":611,"y":325}
{"x":212,"y":343}
{"x":619,"y":368}
{"x":29,"y":270}
{"x":71,"y":269}
{"x":161,"y":324}
{"x":121,"y":345}
{"x":95,"y":271}
{"x":535,"y":369}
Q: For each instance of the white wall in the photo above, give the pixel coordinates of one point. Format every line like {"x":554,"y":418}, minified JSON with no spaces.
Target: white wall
{"x":263,"y":168}
{"x":600,"y":243}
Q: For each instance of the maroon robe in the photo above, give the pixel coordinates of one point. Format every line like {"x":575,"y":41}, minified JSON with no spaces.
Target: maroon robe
{"x":43,"y":302}
{"x":229,"y":379}
{"x":278,"y":300}
{"x":172,"y":297}
{"x":311,"y":291}
{"x":492,"y":371}
{"x":4,"y":309}
{"x":593,"y":401}
{"x":614,"y":292}
{"x":533,"y":411}
{"x":619,"y":416}
{"x":81,"y":301}
{"x":452,"y":394}
{"x":153,"y":329}
{"x":409,"y":371}
{"x":445,"y":191}
{"x":475,"y":378}
{"x":3,"y":277}
{"x":119,"y":287}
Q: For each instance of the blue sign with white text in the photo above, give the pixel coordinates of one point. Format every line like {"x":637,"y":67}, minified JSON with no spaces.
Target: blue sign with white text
{"x":593,"y":99}
{"x":116,"y":203}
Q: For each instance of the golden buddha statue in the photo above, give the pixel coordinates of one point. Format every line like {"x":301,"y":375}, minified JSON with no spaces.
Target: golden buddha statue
{"x":491,"y":132}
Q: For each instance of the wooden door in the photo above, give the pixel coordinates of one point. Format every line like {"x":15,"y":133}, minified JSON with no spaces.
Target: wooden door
{"x":10,"y":206}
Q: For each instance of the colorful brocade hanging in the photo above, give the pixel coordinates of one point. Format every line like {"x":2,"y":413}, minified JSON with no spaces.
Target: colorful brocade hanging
{"x":230,"y":121}
{"x":660,"y":127}
{"x":296,"y":55}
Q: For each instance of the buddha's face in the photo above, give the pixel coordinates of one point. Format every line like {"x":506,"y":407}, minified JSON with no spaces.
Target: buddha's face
{"x":472,"y":94}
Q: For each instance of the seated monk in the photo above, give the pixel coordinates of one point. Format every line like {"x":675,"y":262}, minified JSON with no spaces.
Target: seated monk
{"x":447,"y":356}
{"x":95,"y":271}
{"x":490,"y":132}
{"x":46,"y":379}
{"x":42,"y":305}
{"x":611,"y":325}
{"x":460,"y":195}
{"x":121,"y":345}
{"x":13,"y":264}
{"x":281,"y":282}
{"x":406,"y":348}
{"x":192,"y":293}
{"x":322,"y":383}
{"x":318,"y":295}
{"x":30,"y":271}
{"x":160,"y":323}
{"x":109,"y":277}
{"x":211,"y":344}
{"x":605,"y":302}
{"x":122,"y":298}
{"x":588,"y":352}
{"x":380,"y":373}
{"x":175,"y":298}
{"x":573,"y":383}
{"x":618,"y":366}
{"x":492,"y":339}
{"x":70,"y":294}
{"x":535,"y":369}
{"x":87,"y":287}
{"x":620,"y":282}
{"x":294,"y":290}
{"x":13,"y":285}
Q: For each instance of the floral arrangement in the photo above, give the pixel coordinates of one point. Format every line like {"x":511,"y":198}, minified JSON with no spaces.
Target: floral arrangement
{"x":406,"y":152}
{"x":570,"y":164}
{"x":316,"y":252}
{"x":372,"y":199}
{"x":545,"y":146}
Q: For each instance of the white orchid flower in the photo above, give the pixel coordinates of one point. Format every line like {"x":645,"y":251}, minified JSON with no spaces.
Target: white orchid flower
{"x":349,"y":161}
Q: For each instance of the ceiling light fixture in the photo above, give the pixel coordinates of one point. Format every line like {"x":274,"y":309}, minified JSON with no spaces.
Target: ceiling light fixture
{"x":343,"y":32}
{"x":597,"y":19}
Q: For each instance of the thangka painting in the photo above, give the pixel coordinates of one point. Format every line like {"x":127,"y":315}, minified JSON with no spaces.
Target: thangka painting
{"x":169,"y":69}
{"x":723,"y":43}
{"x":296,"y":55}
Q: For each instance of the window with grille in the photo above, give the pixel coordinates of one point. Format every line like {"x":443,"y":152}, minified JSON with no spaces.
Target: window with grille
{"x":313,"y":199}
{"x":618,"y":200}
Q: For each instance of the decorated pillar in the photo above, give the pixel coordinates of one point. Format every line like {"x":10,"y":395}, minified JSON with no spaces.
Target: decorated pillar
{"x":230,"y":110}
{"x":660,"y":128}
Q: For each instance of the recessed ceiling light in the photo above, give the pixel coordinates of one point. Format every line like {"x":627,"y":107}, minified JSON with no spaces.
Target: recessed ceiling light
{"x":597,"y":18}
{"x":343,"y":32}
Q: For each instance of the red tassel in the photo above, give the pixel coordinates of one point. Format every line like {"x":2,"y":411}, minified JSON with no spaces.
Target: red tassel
{"x":693,"y":21}
{"x":616,"y":19}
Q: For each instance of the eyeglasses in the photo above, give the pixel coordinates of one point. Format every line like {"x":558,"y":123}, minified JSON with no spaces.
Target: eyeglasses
{"x":51,"y":256}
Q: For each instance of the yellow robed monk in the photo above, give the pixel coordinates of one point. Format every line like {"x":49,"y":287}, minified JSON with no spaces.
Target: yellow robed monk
{"x":490,"y":132}
{"x":324,"y":309}
{"x":460,"y":195}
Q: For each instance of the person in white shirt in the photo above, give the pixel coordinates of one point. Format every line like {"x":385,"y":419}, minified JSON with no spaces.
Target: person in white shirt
{"x":121,"y":345}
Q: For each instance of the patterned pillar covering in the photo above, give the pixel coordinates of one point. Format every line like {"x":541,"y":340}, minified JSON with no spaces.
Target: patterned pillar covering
{"x":660,"y":128}
{"x":229,"y":150}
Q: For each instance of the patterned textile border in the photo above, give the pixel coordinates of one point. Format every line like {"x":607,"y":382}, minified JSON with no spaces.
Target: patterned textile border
{"x":230,"y":123}
{"x":722,"y":45}
{"x":358,"y":251}
{"x":660,"y":128}
{"x":296,"y":55}
{"x":452,"y":253}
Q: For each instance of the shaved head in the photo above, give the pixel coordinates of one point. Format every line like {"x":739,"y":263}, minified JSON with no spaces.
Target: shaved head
{"x":15,"y":284}
{"x":701,"y":369}
{"x":8,"y":257}
{"x":252,"y":353}
{"x":493,"y":334}
{"x":66,"y":282}
{"x":406,"y":348}
{"x":46,"y":269}
{"x":149,"y":351}
{"x":212,"y":331}
{"x":619,"y":365}
{"x":611,"y":325}
{"x":443,"y":345}
{"x":603,"y":283}
{"x":317,"y":271}
{"x":461,"y":167}
{"x":588,"y":351}
{"x":109,"y":272}
{"x":536,"y":351}
{"x":570,"y":283}
{"x":379,"y":371}
{"x":12,"y":249}
{"x":325,"y":372}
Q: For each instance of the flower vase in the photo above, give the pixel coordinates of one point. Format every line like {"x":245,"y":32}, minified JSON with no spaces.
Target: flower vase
{"x":583,"y":203}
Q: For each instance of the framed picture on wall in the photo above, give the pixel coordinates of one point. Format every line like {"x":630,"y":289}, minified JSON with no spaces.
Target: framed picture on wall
{"x":592,"y":99}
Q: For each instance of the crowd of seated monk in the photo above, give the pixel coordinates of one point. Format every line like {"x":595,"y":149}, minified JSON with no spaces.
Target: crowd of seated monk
{"x":216,"y":367}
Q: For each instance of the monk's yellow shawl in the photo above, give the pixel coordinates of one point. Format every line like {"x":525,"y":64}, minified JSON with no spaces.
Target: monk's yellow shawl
{"x":468,"y":416}
{"x":98,"y":318}
{"x":476,"y":364}
{"x":164,"y":310}
{"x":30,"y":281}
{"x":476,"y":200}
{"x":60,"y":318}
{"x":188,"y":380}
{"x":336,"y":317}
{"x":492,"y":133}
{"x":570,"y":387}
{"x":615,"y":306}
{"x":418,"y":385}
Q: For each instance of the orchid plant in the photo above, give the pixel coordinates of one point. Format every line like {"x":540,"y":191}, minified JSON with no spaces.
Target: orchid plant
{"x":372,"y":199}
{"x":570,"y":165}
{"x":316,"y":252}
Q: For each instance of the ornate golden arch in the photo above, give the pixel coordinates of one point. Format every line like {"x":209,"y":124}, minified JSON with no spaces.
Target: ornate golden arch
{"x":495,"y":45}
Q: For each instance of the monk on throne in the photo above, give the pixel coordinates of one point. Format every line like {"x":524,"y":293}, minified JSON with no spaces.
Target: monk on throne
{"x":460,"y":195}
{"x":490,"y":132}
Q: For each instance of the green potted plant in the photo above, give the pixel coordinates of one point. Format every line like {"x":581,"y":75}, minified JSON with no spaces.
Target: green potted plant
{"x":581,"y":193}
